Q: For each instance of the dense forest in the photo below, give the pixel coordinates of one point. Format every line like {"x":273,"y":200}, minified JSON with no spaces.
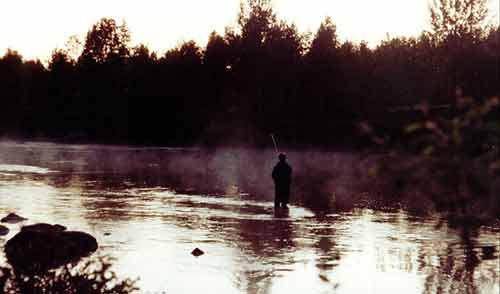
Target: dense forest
{"x":260,"y":77}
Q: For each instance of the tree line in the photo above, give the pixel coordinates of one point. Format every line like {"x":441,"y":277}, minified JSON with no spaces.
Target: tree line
{"x":260,"y":77}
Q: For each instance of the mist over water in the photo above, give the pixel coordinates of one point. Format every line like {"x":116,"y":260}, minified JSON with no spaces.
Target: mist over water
{"x":149,"y":207}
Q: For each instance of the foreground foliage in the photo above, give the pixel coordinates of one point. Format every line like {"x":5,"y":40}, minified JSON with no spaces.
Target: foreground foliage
{"x":88,"y":277}
{"x":449,"y":161}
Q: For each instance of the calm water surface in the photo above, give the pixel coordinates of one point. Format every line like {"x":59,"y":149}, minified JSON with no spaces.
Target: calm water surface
{"x":150,"y":207}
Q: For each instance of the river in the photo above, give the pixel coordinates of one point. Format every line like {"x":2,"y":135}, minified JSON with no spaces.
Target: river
{"x":150,"y":207}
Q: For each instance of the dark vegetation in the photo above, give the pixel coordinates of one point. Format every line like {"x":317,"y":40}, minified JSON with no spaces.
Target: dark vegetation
{"x":262,"y":76}
{"x":448,"y":163}
{"x":89,"y":276}
{"x":446,"y":157}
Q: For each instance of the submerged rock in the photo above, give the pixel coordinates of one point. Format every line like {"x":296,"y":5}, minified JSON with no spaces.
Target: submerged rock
{"x":12,"y":218}
{"x":488,"y":252}
{"x":197,"y":252}
{"x":3,"y":230}
{"x":40,"y":247}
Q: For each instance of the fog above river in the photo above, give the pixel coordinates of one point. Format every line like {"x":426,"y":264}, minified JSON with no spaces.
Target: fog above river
{"x":149,"y":207}
{"x":318,"y":177}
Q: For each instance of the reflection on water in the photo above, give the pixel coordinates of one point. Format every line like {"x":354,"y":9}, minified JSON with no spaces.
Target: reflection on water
{"x":150,"y":207}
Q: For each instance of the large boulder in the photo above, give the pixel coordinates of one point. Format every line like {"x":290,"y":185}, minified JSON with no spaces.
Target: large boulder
{"x":40,"y":247}
{"x":43,"y":228}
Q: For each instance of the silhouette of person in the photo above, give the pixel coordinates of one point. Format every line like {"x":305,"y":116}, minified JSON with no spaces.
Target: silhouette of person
{"x":282,"y":174}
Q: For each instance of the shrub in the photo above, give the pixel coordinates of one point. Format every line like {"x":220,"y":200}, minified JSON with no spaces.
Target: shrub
{"x":87,"y":277}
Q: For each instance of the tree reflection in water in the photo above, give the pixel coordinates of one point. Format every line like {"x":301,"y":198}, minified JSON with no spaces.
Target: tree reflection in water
{"x":461,"y":267}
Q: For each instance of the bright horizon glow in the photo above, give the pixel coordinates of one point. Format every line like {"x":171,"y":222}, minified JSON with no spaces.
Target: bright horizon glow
{"x":35,"y":28}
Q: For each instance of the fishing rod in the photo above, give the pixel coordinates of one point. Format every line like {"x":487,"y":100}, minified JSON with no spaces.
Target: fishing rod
{"x":275,"y":143}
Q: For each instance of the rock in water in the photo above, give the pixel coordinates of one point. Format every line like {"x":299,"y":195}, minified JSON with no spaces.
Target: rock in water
{"x":3,"y":230}
{"x":43,"y":227}
{"x":197,"y":252}
{"x":40,"y":247}
{"x":12,"y":218}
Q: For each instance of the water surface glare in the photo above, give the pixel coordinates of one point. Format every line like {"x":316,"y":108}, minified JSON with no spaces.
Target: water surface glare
{"x":150,"y":207}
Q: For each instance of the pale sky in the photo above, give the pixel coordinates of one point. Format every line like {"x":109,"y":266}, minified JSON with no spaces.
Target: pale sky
{"x":35,"y":27}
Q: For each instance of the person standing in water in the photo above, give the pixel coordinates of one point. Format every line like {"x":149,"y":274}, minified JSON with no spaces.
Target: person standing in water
{"x":282,"y":175}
